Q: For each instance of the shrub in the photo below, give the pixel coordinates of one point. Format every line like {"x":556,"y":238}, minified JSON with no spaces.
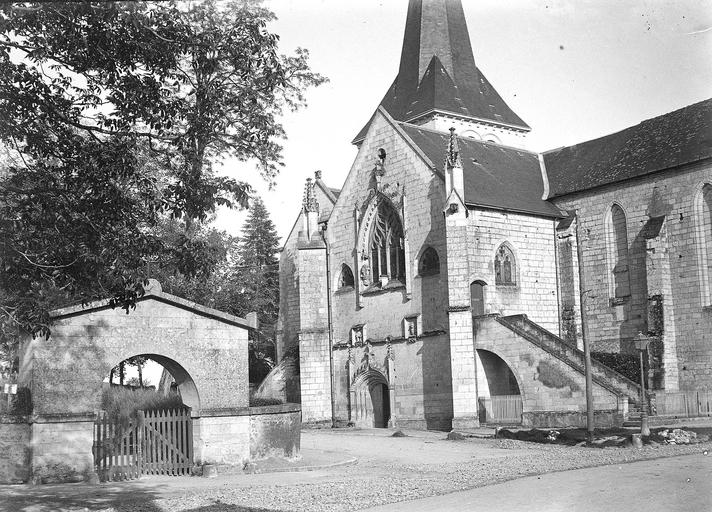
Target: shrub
{"x":627,"y":365}
{"x":261,"y":402}
{"x":121,"y":403}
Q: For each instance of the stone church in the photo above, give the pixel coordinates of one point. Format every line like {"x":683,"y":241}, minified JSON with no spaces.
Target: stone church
{"x":451,"y":279}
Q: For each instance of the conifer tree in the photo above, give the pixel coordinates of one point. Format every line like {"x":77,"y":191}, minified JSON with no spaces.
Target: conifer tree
{"x":256,"y":277}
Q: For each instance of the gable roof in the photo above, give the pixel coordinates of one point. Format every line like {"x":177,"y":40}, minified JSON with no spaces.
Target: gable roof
{"x":670,"y":140}
{"x":438,"y":73}
{"x":154,"y":292}
{"x":496,"y":176}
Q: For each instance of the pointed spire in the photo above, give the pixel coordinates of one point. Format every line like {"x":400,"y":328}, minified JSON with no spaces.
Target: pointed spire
{"x":452,"y":159}
{"x":437,"y":72}
{"x":309,"y":202}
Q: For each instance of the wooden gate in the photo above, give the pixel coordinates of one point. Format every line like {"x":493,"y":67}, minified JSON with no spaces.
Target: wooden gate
{"x":155,"y":443}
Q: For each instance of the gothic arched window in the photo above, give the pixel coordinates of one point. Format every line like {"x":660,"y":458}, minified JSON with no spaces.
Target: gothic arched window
{"x":386,"y":245}
{"x":703,"y":211}
{"x":347,"y":277}
{"x":505,"y":266}
{"x":618,"y":253}
{"x":429,"y":263}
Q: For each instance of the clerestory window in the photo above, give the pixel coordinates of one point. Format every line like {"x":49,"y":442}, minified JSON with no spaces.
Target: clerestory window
{"x":387,"y":249}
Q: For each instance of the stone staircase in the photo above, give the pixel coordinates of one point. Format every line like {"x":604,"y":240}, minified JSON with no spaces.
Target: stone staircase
{"x":571,"y":355}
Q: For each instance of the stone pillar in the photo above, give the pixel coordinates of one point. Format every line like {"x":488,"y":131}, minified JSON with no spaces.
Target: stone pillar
{"x":569,"y":286}
{"x":661,"y":317}
{"x":462,"y":346}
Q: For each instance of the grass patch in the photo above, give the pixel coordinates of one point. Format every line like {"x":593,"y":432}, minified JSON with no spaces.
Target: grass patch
{"x":122,"y":403}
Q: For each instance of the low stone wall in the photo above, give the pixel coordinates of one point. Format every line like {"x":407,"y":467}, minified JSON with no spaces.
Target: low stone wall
{"x":15,"y":450}
{"x":275,"y":431}
{"x":222,"y":439}
{"x":62,"y":448}
{"x":560,"y":419}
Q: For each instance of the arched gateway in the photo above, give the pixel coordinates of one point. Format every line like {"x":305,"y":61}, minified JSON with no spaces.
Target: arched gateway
{"x":204,"y":350}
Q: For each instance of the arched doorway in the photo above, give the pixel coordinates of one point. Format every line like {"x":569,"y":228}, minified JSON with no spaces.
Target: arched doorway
{"x":145,"y":426}
{"x":371,"y":404}
{"x":498,"y":390}
{"x":477,"y":298}
{"x":160,"y":373}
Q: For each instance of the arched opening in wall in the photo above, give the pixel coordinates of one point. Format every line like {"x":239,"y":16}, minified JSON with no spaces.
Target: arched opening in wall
{"x":498,"y":392}
{"x":386,"y":246}
{"x":477,"y":298}
{"x":146,"y":426}
{"x":703,"y":214}
{"x":371,"y":404}
{"x":618,"y":264}
{"x":346,"y":278}
{"x":429,"y":263}
{"x":505,"y":266}
{"x":148,"y":382}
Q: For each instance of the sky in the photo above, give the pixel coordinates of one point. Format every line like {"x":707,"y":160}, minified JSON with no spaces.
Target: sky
{"x":574,"y":70}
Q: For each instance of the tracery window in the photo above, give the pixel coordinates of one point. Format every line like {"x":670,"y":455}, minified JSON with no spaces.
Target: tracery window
{"x":386,"y":245}
{"x":618,"y":253}
{"x":347,"y":277}
{"x":505,"y":267}
{"x":429,"y":263}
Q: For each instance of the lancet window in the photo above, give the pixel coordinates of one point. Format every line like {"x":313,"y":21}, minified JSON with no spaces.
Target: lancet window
{"x":618,"y":253}
{"x":386,"y":246}
{"x":703,"y":210}
{"x":505,"y":266}
{"x":429,"y":263}
{"x":346,"y":279}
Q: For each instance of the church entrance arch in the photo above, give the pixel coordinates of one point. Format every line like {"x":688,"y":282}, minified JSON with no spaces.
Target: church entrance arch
{"x":499,"y":395}
{"x":371,"y":403}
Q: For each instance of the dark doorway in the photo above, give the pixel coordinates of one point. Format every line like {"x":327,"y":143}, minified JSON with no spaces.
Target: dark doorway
{"x":381,"y":405}
{"x":477,"y":298}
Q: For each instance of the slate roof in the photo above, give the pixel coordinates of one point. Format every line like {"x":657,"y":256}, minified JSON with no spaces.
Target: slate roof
{"x":496,"y":176}
{"x":438,"y":72}
{"x":670,"y":140}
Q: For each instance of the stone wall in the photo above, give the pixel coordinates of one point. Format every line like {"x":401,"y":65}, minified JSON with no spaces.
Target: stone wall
{"x":550,"y":388}
{"x":288,"y":319}
{"x":419,"y":375}
{"x":15,"y":450}
{"x":62,"y":449}
{"x":275,"y":431}
{"x":66,"y":371}
{"x":532,"y":242}
{"x":222,"y":439}
{"x":613,"y":323}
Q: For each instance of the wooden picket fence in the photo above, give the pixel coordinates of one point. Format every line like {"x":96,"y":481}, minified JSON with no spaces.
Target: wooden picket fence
{"x":683,"y":403}
{"x":503,"y":409}
{"x":155,"y":443}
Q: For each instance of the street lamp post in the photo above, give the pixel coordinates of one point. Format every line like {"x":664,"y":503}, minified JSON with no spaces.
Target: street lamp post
{"x":641,"y":343}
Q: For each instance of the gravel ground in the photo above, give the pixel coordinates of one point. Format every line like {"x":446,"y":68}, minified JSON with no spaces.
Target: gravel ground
{"x":374,"y":483}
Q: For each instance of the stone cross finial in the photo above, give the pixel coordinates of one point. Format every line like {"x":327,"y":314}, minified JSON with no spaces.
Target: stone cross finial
{"x":452,"y":159}
{"x":309,"y":202}
{"x":317,"y":175}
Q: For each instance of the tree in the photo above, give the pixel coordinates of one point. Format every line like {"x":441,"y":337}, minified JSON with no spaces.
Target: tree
{"x":115,"y":114}
{"x":256,"y":274}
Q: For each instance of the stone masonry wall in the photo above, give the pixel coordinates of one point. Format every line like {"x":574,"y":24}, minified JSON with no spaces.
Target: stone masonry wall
{"x":547,"y":384}
{"x":62,"y":452}
{"x":421,"y":377}
{"x":288,"y":320}
{"x":274,"y":431}
{"x":67,"y":370}
{"x":314,"y":367}
{"x":383,"y":313}
{"x":532,"y":241}
{"x":15,"y":450}
{"x":611,"y":324}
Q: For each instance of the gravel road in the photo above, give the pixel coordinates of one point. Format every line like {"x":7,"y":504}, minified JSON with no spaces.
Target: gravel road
{"x":389,"y":470}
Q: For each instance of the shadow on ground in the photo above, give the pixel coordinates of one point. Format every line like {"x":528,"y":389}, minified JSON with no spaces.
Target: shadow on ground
{"x":116,"y":498}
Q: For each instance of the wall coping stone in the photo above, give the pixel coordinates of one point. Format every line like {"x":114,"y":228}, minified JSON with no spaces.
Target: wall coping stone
{"x":250,"y":411}
{"x":67,"y":417}
{"x":160,"y":296}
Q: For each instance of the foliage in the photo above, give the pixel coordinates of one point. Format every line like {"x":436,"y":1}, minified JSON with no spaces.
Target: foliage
{"x":627,"y":365}
{"x":115,"y":114}
{"x":261,"y":402}
{"x":256,"y":273}
{"x":121,"y":403}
